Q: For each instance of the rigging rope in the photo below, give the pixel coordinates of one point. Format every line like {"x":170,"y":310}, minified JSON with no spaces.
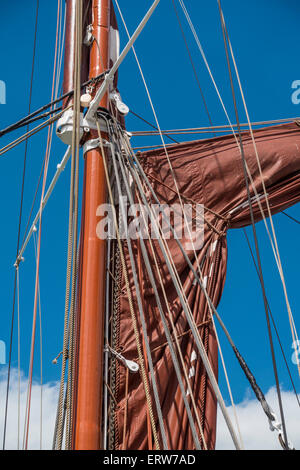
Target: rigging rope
{"x":192,"y":64}
{"x":149,"y":359}
{"x":19,"y":224}
{"x":242,"y":362}
{"x":34,"y":199}
{"x":290,"y":217}
{"x":76,"y":141}
{"x":60,"y":167}
{"x":188,"y":314}
{"x":273,"y":321}
{"x":150,"y":274}
{"x":71,"y":270}
{"x":27,"y":418}
{"x":151,"y":125}
{"x":174,"y":330}
{"x":180,"y":291}
{"x":146,"y":260}
{"x":246,"y":370}
{"x":225,"y":36}
{"x":106,"y":341}
{"x":212,"y":128}
{"x":29,"y":118}
{"x":136,"y":333}
{"x":32,"y":132}
{"x":290,"y":315}
{"x":19,"y":356}
{"x":230,"y":124}
{"x":224,"y":367}
{"x":41,"y":349}
{"x":205,"y":61}
{"x":201,"y":50}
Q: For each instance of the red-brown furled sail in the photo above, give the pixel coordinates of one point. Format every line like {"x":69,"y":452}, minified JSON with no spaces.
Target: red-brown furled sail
{"x":208,"y":172}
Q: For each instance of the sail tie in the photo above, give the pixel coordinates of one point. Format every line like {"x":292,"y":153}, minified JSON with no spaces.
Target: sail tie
{"x":182,"y":335}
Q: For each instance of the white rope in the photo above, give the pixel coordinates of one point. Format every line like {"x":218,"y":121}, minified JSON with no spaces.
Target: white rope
{"x":19,"y":355}
{"x":41,"y":349}
{"x":37,"y":295}
{"x":60,"y":167}
{"x":109,"y":77}
{"x":228,"y":386}
{"x":206,"y":63}
{"x":61,"y":42}
{"x":221,"y":128}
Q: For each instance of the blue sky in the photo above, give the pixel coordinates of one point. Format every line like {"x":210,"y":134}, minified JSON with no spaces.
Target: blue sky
{"x":264,"y":36}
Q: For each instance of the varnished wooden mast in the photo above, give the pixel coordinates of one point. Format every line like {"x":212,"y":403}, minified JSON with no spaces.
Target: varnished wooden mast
{"x":89,"y":380}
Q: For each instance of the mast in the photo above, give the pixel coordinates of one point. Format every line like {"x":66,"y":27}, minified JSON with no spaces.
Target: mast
{"x":91,"y":287}
{"x":68,"y":81}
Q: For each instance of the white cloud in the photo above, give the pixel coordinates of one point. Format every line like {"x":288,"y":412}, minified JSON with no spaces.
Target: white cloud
{"x":254,"y":424}
{"x":49,"y":399}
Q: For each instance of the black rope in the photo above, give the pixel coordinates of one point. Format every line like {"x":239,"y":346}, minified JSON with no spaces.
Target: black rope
{"x":152,"y":125}
{"x":225,"y":38}
{"x":24,"y":121}
{"x":258,"y":392}
{"x":290,"y":217}
{"x":19,"y":228}
{"x":37,"y":118}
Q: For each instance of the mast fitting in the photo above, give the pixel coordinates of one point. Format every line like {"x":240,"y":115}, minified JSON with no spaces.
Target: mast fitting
{"x":131,"y":365}
{"x":94,"y":143}
{"x":64,"y":126}
{"x":89,"y":38}
{"x":121,"y":107}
